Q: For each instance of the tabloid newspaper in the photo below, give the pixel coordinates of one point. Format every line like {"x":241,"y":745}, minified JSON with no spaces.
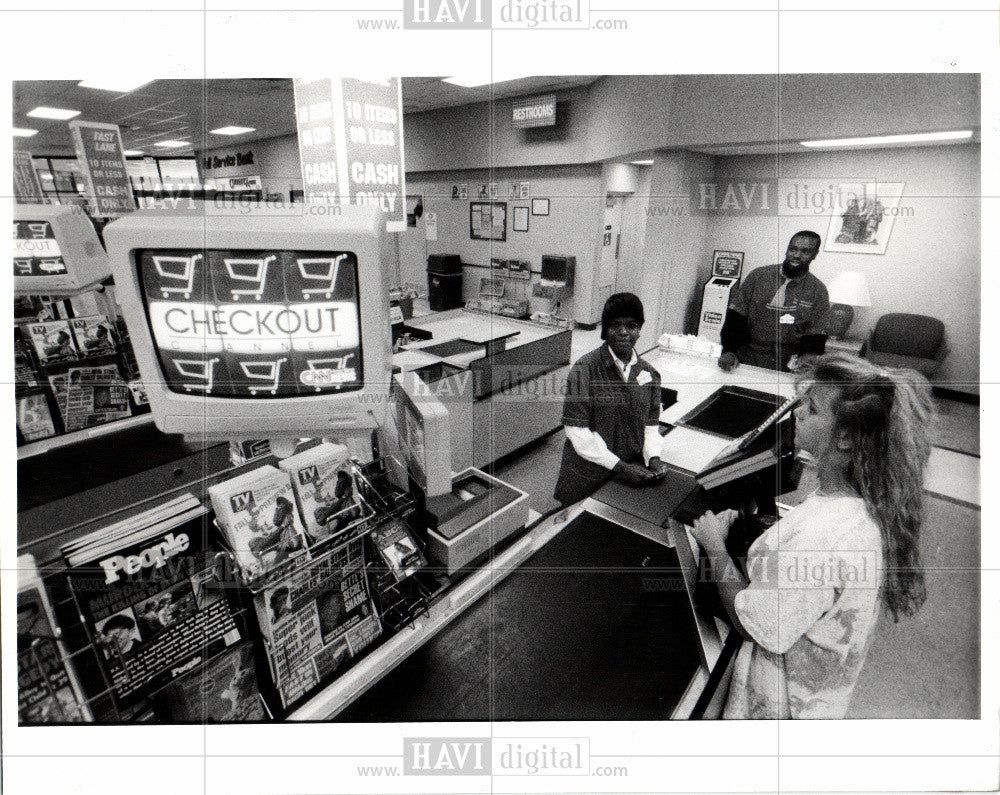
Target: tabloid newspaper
{"x":317,"y":619}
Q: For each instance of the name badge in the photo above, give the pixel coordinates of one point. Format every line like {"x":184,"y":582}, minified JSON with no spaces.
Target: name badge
{"x":786,"y":320}
{"x":643,"y":378}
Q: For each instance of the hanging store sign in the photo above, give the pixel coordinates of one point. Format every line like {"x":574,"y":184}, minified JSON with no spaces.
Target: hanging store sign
{"x":534,"y":112}
{"x":27,"y":188}
{"x":102,"y":161}
{"x":351,"y":143}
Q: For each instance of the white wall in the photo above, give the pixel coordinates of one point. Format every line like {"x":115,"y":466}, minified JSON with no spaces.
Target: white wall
{"x":932,"y":263}
{"x":572,"y":228}
{"x":674,"y":240}
{"x":275,"y":161}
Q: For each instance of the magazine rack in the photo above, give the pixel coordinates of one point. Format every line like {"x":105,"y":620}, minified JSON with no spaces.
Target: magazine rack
{"x":355,"y":527}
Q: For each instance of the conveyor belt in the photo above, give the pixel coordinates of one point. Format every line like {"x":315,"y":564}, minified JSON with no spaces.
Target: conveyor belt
{"x":595,"y":626}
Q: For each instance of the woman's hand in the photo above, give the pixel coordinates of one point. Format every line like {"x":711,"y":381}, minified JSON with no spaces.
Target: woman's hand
{"x":710,"y":530}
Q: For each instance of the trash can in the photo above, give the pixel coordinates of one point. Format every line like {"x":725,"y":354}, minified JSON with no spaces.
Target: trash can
{"x":444,"y":282}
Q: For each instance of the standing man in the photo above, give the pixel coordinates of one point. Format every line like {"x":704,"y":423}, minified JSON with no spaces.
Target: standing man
{"x":612,"y":409}
{"x":778,"y":311}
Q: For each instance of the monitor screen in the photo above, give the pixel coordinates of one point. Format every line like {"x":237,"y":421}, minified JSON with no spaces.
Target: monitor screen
{"x":557,"y":269}
{"x":240,"y":323}
{"x":55,"y":250}
{"x":36,"y":250}
{"x":259,"y":322}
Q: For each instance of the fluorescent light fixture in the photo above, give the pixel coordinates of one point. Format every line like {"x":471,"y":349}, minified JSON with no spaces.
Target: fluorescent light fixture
{"x":118,"y":85}
{"x":60,"y":114}
{"x":172,"y":144}
{"x":882,"y":140}
{"x":133,"y":153}
{"x":23,"y":132}
{"x":232,"y":130}
{"x":479,"y":79}
{"x":642,"y":162}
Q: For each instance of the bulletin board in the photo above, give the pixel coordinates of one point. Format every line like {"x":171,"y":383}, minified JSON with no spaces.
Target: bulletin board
{"x":488,"y":220}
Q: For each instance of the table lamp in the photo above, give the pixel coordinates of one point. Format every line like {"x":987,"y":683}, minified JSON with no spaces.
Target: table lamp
{"x":847,"y":290}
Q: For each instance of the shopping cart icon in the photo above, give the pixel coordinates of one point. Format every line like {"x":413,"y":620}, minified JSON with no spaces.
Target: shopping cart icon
{"x":38,"y":230}
{"x":176,"y":269}
{"x":263,"y":371}
{"x":200,"y":369}
{"x":253,"y":269}
{"x":320,"y":269}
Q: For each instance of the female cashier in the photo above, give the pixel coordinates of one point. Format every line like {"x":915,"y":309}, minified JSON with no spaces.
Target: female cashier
{"x":612,"y":409}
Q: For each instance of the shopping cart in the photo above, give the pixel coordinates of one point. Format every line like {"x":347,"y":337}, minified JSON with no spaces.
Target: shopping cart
{"x":38,"y":230}
{"x":263,"y":371}
{"x":167,"y":269}
{"x":257,"y":275}
{"x":202,"y":369}
{"x":327,"y":273}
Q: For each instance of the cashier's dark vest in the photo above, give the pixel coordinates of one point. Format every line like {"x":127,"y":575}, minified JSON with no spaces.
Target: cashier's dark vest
{"x":613,"y":408}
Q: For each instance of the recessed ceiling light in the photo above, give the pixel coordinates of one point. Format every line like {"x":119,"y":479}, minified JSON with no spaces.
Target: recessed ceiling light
{"x":642,"y":162}
{"x":60,"y":114}
{"x":172,"y":144}
{"x":111,"y":84}
{"x":881,"y":140}
{"x":23,"y":132}
{"x":480,"y":79}
{"x":133,"y":152}
{"x":231,"y":130}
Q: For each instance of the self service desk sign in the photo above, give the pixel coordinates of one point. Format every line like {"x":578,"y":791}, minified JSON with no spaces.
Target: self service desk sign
{"x":102,"y":160}
{"x":351,"y":143}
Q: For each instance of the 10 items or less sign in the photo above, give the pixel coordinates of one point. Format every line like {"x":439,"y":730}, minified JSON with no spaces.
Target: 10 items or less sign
{"x":351,"y":143}
{"x":102,"y":160}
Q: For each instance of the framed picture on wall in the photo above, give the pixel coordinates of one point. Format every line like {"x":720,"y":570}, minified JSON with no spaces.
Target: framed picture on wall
{"x":520,"y":219}
{"x":861,"y":217}
{"x":488,"y":220}
{"x":539,"y":206}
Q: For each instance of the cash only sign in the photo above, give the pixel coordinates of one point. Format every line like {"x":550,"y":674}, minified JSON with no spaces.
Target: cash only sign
{"x":102,"y":160}
{"x":351,"y":143}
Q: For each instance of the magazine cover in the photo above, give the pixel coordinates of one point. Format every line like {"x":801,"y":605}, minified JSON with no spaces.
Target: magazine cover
{"x":89,"y":396}
{"x":398,"y":548}
{"x":52,"y":341}
{"x":153,"y":609}
{"x":223,"y":690}
{"x":316,"y":619}
{"x":33,"y":417}
{"x":324,"y":489}
{"x":256,"y":512}
{"x":94,"y":335}
{"x":47,"y":688}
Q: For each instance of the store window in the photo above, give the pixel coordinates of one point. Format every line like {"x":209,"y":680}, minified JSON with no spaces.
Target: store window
{"x":179,"y":174}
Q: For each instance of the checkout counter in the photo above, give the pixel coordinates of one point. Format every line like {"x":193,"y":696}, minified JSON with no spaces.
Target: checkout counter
{"x":486,"y":370}
{"x":591,"y":615}
{"x":588,"y":615}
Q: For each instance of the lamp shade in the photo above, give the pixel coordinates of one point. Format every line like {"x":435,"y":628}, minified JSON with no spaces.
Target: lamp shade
{"x":851,"y":288}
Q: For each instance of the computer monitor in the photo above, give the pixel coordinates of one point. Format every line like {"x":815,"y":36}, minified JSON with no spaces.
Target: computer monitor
{"x":56,"y":250}
{"x":257,"y":321}
{"x":422,"y":427}
{"x":558,"y":269}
